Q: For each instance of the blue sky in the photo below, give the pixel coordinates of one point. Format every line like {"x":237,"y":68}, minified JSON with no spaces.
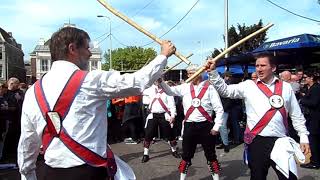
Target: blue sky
{"x":199,"y":33}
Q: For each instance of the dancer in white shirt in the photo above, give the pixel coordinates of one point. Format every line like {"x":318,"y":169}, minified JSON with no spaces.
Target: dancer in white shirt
{"x":199,"y":100}
{"x":74,"y":141}
{"x":268,"y":102}
{"x":162,"y":114}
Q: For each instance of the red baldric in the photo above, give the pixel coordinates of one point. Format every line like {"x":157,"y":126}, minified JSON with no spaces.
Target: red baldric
{"x":249,"y":135}
{"x":200,"y":108}
{"x":62,"y":107}
{"x":160,"y":101}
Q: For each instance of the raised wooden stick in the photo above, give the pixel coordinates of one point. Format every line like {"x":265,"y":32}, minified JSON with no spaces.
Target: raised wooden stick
{"x":170,"y":68}
{"x":139,"y":28}
{"x":201,"y":70}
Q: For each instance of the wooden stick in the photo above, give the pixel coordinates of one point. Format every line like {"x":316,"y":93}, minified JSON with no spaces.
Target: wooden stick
{"x":169,"y":69}
{"x":139,"y":28}
{"x":201,"y":70}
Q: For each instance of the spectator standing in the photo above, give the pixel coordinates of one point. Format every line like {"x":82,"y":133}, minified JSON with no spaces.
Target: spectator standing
{"x":15,"y":98}
{"x":132,"y":119}
{"x":311,"y":103}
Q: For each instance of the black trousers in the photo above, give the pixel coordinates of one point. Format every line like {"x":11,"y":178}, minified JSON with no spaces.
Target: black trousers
{"x":198,"y":133}
{"x":260,"y":162}
{"x":315,"y":148}
{"x":165,"y":129}
{"x":129,"y":129}
{"x":83,"y":172}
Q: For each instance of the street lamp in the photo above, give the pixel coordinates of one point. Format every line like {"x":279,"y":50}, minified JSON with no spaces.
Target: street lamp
{"x":226,"y":26}
{"x":110,"y":49}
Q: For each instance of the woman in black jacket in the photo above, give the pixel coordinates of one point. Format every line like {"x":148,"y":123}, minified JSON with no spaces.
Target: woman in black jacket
{"x":311,"y":103}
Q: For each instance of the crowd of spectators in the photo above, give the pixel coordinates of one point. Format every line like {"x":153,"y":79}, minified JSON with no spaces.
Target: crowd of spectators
{"x":307,"y":90}
{"x":11,"y":98}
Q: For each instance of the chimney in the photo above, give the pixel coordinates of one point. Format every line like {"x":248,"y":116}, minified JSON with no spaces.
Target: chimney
{"x":41,"y":41}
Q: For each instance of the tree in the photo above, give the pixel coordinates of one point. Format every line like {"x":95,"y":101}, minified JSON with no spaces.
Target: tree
{"x":235,"y":35}
{"x":129,"y":58}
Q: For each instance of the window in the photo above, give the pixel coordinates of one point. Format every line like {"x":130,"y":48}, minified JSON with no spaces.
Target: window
{"x":44,"y":65}
{"x":1,"y":71}
{"x":94,"y":65}
{"x":0,"y":53}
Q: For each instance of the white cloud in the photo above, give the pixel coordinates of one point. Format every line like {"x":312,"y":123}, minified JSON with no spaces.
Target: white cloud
{"x":148,"y":23}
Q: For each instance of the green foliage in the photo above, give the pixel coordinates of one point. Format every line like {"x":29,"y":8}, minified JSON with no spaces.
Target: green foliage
{"x":129,"y":58}
{"x":235,"y":34}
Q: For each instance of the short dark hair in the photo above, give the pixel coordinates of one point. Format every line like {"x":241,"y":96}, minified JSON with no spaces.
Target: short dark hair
{"x":313,"y":76}
{"x":61,"y":39}
{"x":269,"y":55}
{"x":299,"y":70}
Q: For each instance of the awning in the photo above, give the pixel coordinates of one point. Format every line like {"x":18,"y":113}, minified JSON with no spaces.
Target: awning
{"x":293,"y":42}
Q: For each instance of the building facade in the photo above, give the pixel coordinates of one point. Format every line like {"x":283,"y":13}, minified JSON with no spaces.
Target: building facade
{"x":11,"y":58}
{"x":40,"y":59}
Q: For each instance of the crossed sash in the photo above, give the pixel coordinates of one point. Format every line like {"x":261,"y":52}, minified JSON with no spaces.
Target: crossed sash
{"x":158,"y":98}
{"x":196,"y":102}
{"x":55,"y":117}
{"x":277,"y":104}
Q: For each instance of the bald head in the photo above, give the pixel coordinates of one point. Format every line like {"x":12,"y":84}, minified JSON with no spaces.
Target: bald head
{"x":254,"y":76}
{"x":285,"y":76}
{"x":294,"y":78}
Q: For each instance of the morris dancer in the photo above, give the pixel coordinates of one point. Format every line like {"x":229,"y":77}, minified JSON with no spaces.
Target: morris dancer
{"x":268,"y":101}
{"x":199,"y":100}
{"x":65,"y":110}
{"x":162,"y":114}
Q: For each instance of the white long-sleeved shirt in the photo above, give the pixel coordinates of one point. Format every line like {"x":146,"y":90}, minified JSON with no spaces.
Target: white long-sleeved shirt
{"x":86,"y":121}
{"x":257,"y":104}
{"x":210,"y":101}
{"x":153,"y":92}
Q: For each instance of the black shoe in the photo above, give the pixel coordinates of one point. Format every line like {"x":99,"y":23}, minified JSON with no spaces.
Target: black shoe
{"x":145,"y":158}
{"x":221,"y":146}
{"x":226,"y":148}
{"x":310,"y":166}
{"x":176,"y":154}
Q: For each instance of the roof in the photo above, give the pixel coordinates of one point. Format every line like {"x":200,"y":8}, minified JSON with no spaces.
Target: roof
{"x":41,"y":48}
{"x":45,"y":48}
{"x":9,"y":39}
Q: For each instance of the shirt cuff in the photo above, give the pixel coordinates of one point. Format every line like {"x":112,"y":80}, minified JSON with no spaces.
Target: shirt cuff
{"x":162,"y":57}
{"x":29,"y":176}
{"x":216,"y":127}
{"x":159,"y":60}
{"x":213,"y":75}
{"x":304,"y":138}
